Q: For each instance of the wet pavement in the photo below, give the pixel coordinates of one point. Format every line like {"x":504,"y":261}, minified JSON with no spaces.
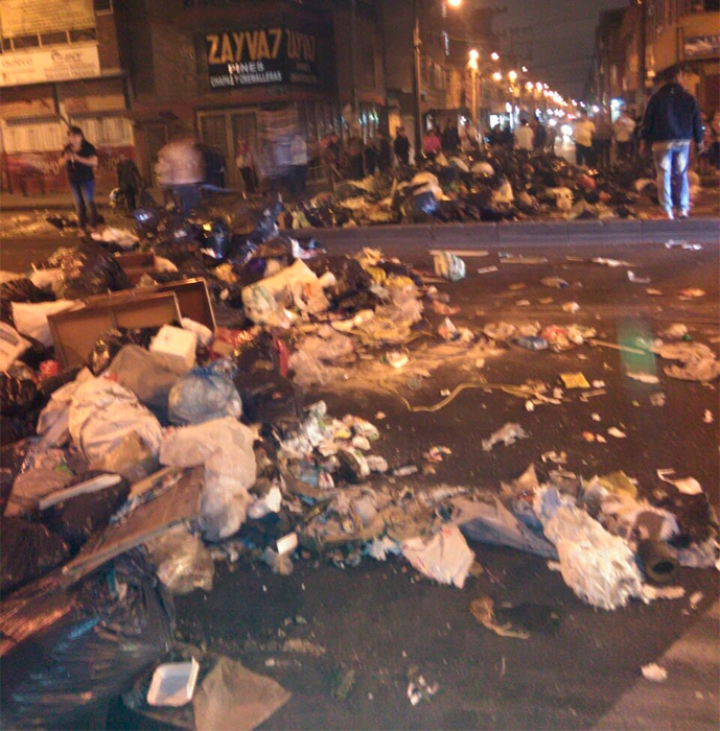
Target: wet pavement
{"x":384,"y":621}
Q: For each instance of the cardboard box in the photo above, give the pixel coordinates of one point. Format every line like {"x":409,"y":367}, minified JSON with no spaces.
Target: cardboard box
{"x":176,"y":346}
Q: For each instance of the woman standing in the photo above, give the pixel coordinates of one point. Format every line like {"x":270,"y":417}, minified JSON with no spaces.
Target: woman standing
{"x":245,"y":164}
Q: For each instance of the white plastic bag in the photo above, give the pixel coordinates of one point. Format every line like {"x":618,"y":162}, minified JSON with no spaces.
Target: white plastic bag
{"x":446,"y":557}
{"x":225,"y":447}
{"x":12,"y":345}
{"x":31,"y":318}
{"x":103,"y":413}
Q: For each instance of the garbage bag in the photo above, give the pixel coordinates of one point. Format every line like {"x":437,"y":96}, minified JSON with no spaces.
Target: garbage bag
{"x":12,"y":345}
{"x":266,"y":227}
{"x":225,"y":447}
{"x":219,"y":239}
{"x":77,"y":518}
{"x":204,"y":394}
{"x":90,"y":270}
{"x":268,"y":397}
{"x":146,"y":375}
{"x":425,"y":203}
{"x":132,"y":459}
{"x":106,"y":347}
{"x":18,"y":396}
{"x":31,"y":318}
{"x":181,"y":561}
{"x":103,"y":413}
{"x":23,"y":290}
{"x":48,"y":473}
{"x":67,"y":652}
{"x":27,"y":551}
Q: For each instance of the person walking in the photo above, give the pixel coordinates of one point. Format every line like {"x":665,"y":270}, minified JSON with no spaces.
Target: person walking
{"x":80,"y":158}
{"x":401,"y":147}
{"x":129,"y":180}
{"x":524,"y":136}
{"x":299,"y":152}
{"x":245,"y":164}
{"x":671,"y":122}
{"x":623,"y":130}
{"x":584,"y":132}
{"x":451,"y":138}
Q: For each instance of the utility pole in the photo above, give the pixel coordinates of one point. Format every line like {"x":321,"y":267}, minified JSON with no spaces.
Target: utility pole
{"x":416,"y":78}
{"x":642,"y":61}
{"x":353,"y":56}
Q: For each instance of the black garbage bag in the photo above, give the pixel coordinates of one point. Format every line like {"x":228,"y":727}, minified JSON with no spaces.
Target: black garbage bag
{"x":27,"y":551}
{"x":425,"y":203}
{"x":91,"y":270}
{"x":17,"y":395}
{"x":69,"y":652}
{"x":147,"y":220}
{"x":20,"y":290}
{"x":268,"y":397}
{"x":350,"y":277}
{"x":77,"y":518}
{"x":219,"y":239}
{"x":266,"y":227}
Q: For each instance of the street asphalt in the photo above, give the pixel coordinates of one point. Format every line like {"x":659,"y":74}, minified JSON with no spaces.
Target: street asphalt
{"x":580,"y":668}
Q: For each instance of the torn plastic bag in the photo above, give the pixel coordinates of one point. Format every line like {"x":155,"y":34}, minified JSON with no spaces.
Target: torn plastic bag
{"x":103,"y":413}
{"x":146,"y":376}
{"x":446,"y":557}
{"x":181,"y":561}
{"x":205,"y":394}
{"x":27,"y":551}
{"x":90,"y":270}
{"x":492,"y":522}
{"x":225,"y":447}
{"x":67,"y":652}
{"x":599,"y":567}
{"x":77,"y":518}
{"x":23,"y":290}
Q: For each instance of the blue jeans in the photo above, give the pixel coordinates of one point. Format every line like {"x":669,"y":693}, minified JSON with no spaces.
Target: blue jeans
{"x":671,"y":162}
{"x":84,"y":196}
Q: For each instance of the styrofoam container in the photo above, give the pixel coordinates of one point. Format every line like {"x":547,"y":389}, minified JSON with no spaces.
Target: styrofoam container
{"x":176,"y":346}
{"x":173,"y":684}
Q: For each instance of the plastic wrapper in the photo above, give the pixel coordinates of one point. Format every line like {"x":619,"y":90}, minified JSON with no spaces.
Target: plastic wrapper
{"x":90,"y":270}
{"x":203,"y":395}
{"x":146,"y":376}
{"x":225,"y":447}
{"x":446,"y":557}
{"x":309,"y":371}
{"x":331,"y":348}
{"x":12,"y":346}
{"x":599,"y":567}
{"x":27,"y":551}
{"x":103,"y":413}
{"x":77,"y":518}
{"x":181,"y":561}
{"x":68,"y":652}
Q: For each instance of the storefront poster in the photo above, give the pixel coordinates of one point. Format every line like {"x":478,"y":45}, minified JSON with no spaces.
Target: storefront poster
{"x":58,"y":64}
{"x":701,"y":46}
{"x":29,"y":17}
{"x":271,"y":55}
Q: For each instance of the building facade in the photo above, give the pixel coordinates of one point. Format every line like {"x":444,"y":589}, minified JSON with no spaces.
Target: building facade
{"x":60,"y":65}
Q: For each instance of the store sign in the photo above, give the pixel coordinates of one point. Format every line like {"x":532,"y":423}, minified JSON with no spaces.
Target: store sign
{"x":274,"y":55}
{"x":700,"y":46}
{"x":60,"y":64}
{"x":29,"y":17}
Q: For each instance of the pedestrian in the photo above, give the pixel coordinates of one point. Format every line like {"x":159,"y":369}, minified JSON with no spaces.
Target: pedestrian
{"x":384,"y":152}
{"x":584,"y":132}
{"x":623,"y":130}
{"x":450,"y":138}
{"x":401,"y":147}
{"x":129,"y":180}
{"x":551,"y":137}
{"x":541,"y":135}
{"x":370,"y":156}
{"x":671,"y":122}
{"x":332,"y":156}
{"x":246,"y":164}
{"x":602,"y":142}
{"x":355,"y":151}
{"x":431,"y":144}
{"x":715,"y":143}
{"x":507,"y":138}
{"x":524,"y":136}
{"x":299,"y":152}
{"x":180,"y":171}
{"x":80,"y":158}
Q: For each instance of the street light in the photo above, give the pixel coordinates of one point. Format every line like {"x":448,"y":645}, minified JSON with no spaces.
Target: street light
{"x":539,"y":86}
{"x":513,"y":76}
{"x":454,"y":3}
{"x":495,"y":56}
{"x":497,"y":76}
{"x":524,"y":69}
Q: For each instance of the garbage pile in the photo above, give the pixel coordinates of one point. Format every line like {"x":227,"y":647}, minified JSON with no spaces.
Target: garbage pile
{"x":496,"y":186}
{"x":151,"y":430}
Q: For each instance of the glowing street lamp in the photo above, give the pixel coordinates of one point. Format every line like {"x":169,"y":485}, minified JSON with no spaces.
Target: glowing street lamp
{"x":454,"y":3}
{"x":539,"y":86}
{"x":524,"y":69}
{"x":513,"y":76}
{"x":529,"y":86}
{"x":497,"y":76}
{"x":495,"y":56}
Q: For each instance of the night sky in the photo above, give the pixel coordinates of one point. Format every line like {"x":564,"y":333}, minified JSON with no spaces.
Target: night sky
{"x":560,"y":35}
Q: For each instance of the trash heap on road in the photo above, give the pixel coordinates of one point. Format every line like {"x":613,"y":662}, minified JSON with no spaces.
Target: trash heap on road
{"x":156,"y":418}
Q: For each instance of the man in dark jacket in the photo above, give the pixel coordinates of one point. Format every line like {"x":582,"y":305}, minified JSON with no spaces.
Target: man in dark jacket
{"x":129,"y":180}
{"x":451,"y":138}
{"x":401,"y":147}
{"x":672,"y":120}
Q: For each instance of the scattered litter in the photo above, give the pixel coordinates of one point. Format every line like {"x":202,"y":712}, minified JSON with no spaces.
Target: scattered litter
{"x":554,"y":282}
{"x":695,"y":599}
{"x":658,"y":399}
{"x":685,"y":485}
{"x":613,"y":431}
{"x":574,"y":380}
{"x":448,"y":266}
{"x":445,"y":558}
{"x":571,"y":307}
{"x":708,"y":417}
{"x":487,"y":270}
{"x":637,"y":280}
{"x":482,"y":610}
{"x":653,"y":292}
{"x":418,"y":688}
{"x":692,"y":293}
{"x":507,"y":435}
{"x":644,"y":377}
{"x":396,"y":360}
{"x":303,"y":647}
{"x":654,"y":673}
{"x":173,"y":684}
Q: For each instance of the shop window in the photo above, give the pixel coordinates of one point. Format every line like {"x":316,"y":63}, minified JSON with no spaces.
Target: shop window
{"x":81,"y":36}
{"x":54,"y":39}
{"x":26,"y":42}
{"x":103,"y":6}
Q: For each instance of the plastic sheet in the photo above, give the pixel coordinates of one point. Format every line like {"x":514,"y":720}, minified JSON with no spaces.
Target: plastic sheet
{"x":27,"y":551}
{"x":103,"y":413}
{"x":181,"y":561}
{"x":225,"y":447}
{"x":204,"y":394}
{"x":99,"y":636}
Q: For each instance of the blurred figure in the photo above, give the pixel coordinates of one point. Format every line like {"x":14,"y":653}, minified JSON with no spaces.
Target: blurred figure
{"x":584,"y":133}
{"x":246,"y":164}
{"x":355,"y":149}
{"x":371,"y":157}
{"x":551,"y":138}
{"x":384,"y":152}
{"x":180,"y":170}
{"x":401,"y":147}
{"x":80,"y":158}
{"x":524,"y":136}
{"x":623,"y":130}
{"x":541,"y":135}
{"x":299,"y":152}
{"x":451,"y":138}
{"x":214,"y":164}
{"x":129,"y":180}
{"x":602,"y":142}
{"x":431,"y":144}
{"x":715,"y":141}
